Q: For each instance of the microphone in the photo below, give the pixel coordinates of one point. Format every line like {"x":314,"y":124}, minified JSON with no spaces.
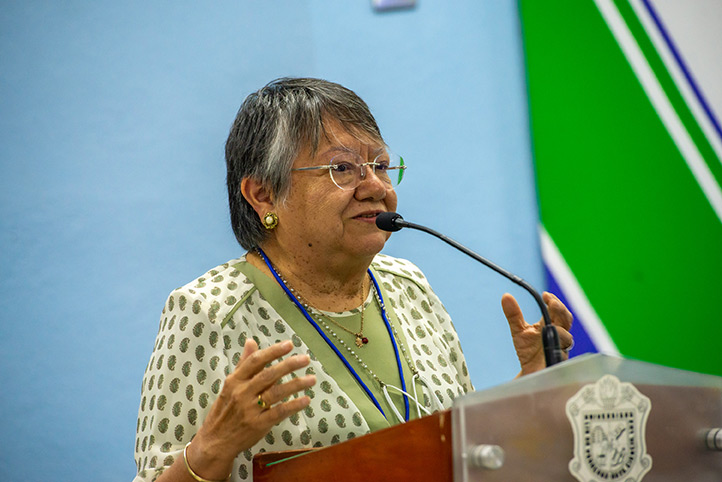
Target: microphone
{"x":392,"y":222}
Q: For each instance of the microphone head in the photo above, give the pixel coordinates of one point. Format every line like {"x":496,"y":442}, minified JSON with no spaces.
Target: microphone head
{"x":387,"y":221}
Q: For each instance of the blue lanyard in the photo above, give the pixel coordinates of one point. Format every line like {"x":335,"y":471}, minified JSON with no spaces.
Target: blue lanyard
{"x":333,"y":346}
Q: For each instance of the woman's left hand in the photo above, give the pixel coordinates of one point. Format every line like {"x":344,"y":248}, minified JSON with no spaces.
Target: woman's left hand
{"x":527,"y":338}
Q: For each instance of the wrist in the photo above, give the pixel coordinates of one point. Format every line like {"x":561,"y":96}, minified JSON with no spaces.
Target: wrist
{"x":531,"y":367}
{"x":205,"y":466}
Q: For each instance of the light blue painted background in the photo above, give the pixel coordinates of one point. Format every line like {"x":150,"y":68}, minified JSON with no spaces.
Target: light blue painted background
{"x":114,"y":116}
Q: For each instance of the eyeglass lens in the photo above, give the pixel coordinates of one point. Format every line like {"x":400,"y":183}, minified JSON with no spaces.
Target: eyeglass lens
{"x":347,"y":169}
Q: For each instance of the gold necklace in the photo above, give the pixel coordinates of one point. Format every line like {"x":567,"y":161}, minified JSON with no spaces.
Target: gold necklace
{"x":360,"y":340}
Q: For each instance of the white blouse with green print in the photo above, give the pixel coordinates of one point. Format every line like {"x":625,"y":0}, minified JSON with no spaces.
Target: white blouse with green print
{"x":204,"y":327}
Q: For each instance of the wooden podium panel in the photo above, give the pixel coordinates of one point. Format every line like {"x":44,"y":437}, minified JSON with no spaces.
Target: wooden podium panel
{"x":418,"y":450}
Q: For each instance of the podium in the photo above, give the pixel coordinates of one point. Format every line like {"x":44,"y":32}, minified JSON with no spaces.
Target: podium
{"x":594,"y":417}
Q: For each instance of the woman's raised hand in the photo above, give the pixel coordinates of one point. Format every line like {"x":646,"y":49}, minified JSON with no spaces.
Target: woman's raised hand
{"x":527,"y":338}
{"x":251,"y":402}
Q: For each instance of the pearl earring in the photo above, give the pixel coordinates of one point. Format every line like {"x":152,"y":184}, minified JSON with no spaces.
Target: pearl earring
{"x":270,"y":220}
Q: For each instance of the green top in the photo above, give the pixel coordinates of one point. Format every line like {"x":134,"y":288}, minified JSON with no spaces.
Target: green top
{"x":378,"y":354}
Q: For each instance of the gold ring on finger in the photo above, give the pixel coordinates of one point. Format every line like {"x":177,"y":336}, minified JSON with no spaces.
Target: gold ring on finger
{"x":262,"y":403}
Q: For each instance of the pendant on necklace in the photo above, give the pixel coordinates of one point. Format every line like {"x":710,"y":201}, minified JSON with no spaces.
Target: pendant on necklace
{"x":361,"y":340}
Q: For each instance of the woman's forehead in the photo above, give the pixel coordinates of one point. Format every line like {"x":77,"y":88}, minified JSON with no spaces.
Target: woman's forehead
{"x":336,"y":136}
{"x":343,"y":141}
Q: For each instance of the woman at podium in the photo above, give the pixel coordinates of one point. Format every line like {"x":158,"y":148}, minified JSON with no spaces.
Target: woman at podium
{"x":311,"y":337}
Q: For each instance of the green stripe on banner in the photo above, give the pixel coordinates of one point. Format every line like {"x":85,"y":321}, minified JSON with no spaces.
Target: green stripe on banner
{"x":616,"y":195}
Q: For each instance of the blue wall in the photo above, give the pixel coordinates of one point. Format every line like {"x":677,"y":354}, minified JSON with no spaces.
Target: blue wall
{"x":114,"y":116}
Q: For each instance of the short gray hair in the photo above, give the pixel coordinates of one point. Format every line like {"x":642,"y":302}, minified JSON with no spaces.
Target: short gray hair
{"x":273,"y":125}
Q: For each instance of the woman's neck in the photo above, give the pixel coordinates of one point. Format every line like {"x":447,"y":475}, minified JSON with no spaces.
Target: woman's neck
{"x":324,"y":286}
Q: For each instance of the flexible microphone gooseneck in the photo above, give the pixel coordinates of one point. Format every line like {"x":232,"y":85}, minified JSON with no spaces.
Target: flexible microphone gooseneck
{"x":550,"y":338}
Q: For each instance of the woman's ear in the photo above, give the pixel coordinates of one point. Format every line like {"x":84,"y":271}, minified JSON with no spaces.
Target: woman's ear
{"x":257,"y":196}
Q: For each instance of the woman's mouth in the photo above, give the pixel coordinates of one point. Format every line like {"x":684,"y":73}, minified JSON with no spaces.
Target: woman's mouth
{"x":367,"y":216}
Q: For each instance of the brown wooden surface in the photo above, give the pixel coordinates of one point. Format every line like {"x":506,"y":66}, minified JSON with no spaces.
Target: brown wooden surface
{"x":419,"y":450}
{"x":271,"y":457}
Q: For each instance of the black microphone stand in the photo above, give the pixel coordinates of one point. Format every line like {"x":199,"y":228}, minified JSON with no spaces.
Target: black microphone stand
{"x":550,"y":337}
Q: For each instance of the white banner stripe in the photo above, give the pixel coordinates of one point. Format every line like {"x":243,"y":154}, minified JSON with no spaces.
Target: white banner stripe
{"x":575,"y":295}
{"x":680,"y":80}
{"x":661,"y":104}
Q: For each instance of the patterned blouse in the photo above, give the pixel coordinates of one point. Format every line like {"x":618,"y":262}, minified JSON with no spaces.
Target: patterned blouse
{"x":205,"y":324}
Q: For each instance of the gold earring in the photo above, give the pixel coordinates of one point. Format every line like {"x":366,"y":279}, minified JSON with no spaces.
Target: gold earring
{"x":270,"y":220}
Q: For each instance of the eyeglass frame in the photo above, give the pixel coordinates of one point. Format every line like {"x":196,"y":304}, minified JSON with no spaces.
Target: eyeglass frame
{"x":361,"y":167}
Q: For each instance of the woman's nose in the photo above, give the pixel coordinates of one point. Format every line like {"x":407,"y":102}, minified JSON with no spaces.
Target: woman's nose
{"x":367,"y":167}
{"x":371,"y":185}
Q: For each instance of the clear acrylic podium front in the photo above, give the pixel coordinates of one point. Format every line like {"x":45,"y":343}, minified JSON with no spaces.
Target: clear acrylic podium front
{"x":521,"y":430}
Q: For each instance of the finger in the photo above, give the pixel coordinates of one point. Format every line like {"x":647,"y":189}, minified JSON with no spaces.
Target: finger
{"x":282,"y":411}
{"x":269,"y":376}
{"x":281,"y":391}
{"x":513,"y":314}
{"x":254,"y":363}
{"x":566,"y":340}
{"x":249,"y":349}
{"x":559,"y":313}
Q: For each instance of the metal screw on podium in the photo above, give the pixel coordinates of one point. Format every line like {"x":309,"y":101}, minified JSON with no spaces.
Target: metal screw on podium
{"x":486,"y":456}
{"x":713,"y":439}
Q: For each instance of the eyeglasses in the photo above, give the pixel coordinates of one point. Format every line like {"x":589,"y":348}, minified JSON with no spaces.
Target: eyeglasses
{"x":347,"y":169}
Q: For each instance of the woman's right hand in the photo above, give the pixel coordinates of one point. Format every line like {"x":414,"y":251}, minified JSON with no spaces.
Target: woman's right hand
{"x":237,"y":419}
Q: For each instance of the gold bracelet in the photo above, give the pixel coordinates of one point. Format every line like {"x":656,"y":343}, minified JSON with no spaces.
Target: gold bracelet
{"x":193,"y":474}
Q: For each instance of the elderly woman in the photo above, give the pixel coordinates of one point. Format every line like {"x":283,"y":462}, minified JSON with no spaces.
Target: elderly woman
{"x":311,"y":337}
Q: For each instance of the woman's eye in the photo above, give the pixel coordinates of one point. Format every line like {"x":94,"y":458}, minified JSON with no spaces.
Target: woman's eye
{"x":342,"y":166}
{"x":382,"y":163}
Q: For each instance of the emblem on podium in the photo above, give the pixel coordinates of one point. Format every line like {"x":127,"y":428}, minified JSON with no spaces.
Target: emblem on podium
{"x":609,"y":420}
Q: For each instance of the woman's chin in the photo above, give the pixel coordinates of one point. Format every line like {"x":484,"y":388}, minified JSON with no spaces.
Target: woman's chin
{"x":370,"y":246}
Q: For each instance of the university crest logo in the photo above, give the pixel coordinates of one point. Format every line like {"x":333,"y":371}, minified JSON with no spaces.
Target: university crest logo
{"x":609,"y":420}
